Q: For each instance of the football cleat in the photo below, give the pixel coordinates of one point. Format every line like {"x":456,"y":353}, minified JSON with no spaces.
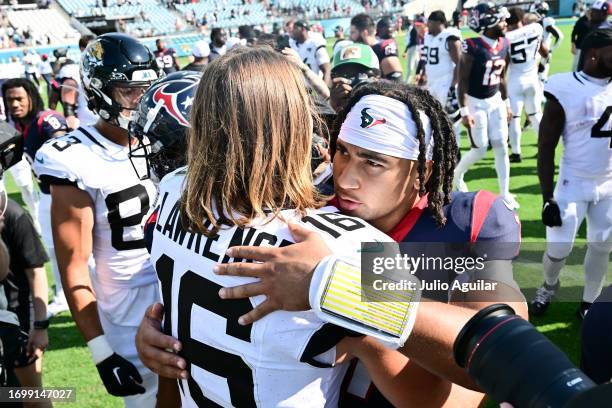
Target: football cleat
{"x":515,"y":158}
{"x":583,"y":309}
{"x":542,"y":299}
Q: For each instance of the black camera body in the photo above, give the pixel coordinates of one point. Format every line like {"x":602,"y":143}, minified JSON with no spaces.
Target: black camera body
{"x":11,"y":146}
{"x":513,"y":362}
{"x":282,"y":42}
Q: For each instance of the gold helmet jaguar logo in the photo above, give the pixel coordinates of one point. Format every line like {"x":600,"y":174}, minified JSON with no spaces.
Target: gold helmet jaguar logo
{"x":97,"y":51}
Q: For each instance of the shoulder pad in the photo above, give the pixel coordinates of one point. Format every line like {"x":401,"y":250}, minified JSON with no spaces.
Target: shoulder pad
{"x":51,"y":122}
{"x":557,"y":84}
{"x":452,"y":32}
{"x":69,"y":71}
{"x":173,"y":178}
{"x":501,"y":224}
{"x":61,"y":158}
{"x":537,"y":28}
{"x":548,"y":21}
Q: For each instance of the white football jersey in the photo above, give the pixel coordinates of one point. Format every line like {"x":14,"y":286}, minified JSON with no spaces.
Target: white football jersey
{"x":72,"y":71}
{"x":439,"y":65}
{"x":285,"y":359}
{"x":524,"y":46}
{"x":587,"y":136}
{"x":313,"y":53}
{"x":86,"y":159}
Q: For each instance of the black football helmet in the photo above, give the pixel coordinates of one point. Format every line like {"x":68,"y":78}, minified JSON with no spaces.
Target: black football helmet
{"x":161,"y":123}
{"x":541,"y":8}
{"x":116,"y":70}
{"x":486,"y":15}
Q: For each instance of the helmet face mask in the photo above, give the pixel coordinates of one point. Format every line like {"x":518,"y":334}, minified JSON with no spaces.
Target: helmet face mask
{"x":485,"y":16}
{"x":127,"y":96}
{"x":540,"y":8}
{"x":158,"y":131}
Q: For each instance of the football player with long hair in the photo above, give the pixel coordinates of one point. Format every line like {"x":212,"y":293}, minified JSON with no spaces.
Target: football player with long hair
{"x":380,"y":182}
{"x":249,"y":173}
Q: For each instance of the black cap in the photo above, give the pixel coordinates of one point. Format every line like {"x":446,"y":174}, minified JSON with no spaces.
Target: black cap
{"x":302,"y":24}
{"x":602,"y":37}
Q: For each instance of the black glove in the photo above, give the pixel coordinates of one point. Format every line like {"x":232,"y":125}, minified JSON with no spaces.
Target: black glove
{"x":551,"y":214}
{"x":120,"y":377}
{"x":541,"y":68}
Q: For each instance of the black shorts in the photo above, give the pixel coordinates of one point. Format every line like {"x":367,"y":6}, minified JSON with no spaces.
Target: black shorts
{"x":13,"y":343}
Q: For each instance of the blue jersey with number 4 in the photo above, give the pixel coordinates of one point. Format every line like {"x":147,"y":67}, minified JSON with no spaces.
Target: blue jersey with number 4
{"x":487,"y":66}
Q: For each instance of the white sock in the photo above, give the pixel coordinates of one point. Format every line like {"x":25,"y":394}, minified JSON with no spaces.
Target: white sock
{"x":536,"y":119}
{"x":502,"y":166}
{"x":515,"y":134}
{"x":552,"y":269}
{"x":467,"y":160}
{"x":595,"y":268}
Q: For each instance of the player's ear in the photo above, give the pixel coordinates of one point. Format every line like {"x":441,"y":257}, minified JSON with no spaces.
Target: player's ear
{"x":415,"y":174}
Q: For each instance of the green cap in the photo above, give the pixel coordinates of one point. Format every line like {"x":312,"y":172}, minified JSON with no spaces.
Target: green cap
{"x":356,"y":53}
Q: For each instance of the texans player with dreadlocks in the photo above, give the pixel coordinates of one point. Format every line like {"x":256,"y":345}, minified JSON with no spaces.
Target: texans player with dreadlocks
{"x":98,"y":206}
{"x":401,"y":186}
{"x":485,"y":107}
{"x":289,"y":358}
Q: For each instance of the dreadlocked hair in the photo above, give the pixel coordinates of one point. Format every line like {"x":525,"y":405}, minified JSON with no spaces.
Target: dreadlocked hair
{"x":36,"y":102}
{"x":440,"y":184}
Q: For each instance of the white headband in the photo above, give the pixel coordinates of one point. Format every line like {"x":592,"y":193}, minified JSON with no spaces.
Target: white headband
{"x":385,"y":125}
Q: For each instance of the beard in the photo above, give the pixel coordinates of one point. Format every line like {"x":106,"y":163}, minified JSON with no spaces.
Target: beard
{"x":604,"y":68}
{"x":497,"y":31}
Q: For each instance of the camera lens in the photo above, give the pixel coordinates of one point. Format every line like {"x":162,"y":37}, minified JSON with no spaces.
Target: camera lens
{"x":512,"y":362}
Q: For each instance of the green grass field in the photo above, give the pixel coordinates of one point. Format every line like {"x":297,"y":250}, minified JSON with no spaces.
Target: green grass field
{"x":67,"y":362}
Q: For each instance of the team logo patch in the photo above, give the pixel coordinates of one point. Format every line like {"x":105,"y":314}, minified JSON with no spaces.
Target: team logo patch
{"x":177,"y":104}
{"x":97,"y":51}
{"x":367,"y":121}
{"x":350,"y":53}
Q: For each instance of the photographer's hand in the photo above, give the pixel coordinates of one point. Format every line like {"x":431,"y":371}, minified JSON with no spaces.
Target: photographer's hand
{"x":341,"y":88}
{"x":284,"y":275}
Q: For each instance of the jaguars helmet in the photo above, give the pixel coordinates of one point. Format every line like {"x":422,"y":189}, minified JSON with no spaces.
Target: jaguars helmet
{"x":161,"y":123}
{"x":540,"y":8}
{"x":486,"y":15}
{"x":116,"y":70}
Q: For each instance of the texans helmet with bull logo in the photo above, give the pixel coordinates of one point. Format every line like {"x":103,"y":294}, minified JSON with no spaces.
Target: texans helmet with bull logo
{"x":161,"y":123}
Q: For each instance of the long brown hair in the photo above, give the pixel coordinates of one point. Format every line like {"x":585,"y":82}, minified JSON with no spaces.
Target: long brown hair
{"x":249,"y":143}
